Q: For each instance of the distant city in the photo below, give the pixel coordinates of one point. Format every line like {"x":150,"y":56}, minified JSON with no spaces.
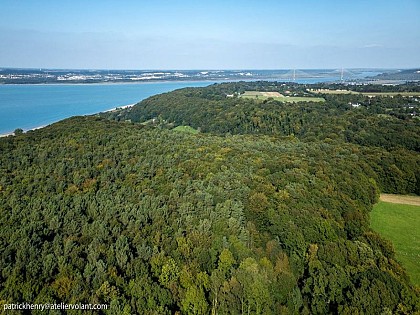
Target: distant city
{"x":53,"y":76}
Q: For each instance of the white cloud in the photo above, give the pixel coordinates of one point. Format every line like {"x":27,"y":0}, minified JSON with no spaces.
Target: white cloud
{"x":373,"y":46}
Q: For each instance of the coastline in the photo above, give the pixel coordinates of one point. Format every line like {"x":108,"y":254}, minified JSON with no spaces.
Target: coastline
{"x":117,"y":108}
{"x":3,"y":135}
{"x":111,"y":106}
{"x":6,"y":135}
{"x":24,"y":131}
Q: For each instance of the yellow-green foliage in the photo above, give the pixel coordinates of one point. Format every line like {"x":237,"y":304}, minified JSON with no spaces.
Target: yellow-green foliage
{"x":261,"y":96}
{"x":186,"y":129}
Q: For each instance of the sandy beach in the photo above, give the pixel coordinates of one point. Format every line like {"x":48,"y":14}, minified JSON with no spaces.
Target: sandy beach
{"x":119,"y":107}
{"x":6,"y":134}
{"x":12,"y":133}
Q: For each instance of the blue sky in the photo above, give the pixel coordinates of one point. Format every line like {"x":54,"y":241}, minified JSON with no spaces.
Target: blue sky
{"x":248,"y":34}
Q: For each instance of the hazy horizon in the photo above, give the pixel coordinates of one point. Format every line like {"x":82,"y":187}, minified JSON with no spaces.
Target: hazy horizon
{"x":206,"y":69}
{"x":216,"y":35}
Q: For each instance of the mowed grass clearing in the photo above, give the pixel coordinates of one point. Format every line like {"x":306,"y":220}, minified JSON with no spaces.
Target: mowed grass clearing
{"x":186,"y":129}
{"x":261,"y":96}
{"x":400,"y":223}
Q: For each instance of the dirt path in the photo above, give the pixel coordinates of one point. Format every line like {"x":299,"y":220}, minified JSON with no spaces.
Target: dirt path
{"x":401,"y":199}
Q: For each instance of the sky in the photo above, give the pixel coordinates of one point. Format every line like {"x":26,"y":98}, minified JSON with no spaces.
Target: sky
{"x":217,"y":34}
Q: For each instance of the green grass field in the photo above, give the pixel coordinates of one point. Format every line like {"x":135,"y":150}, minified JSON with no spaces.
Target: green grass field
{"x":186,"y":129}
{"x":400,"y":223}
{"x":261,"y":96}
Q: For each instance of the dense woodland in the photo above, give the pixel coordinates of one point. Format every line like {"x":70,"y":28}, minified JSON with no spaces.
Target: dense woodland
{"x":265,"y":211}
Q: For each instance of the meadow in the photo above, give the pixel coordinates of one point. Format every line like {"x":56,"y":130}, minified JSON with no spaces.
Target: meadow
{"x":261,"y":96}
{"x":400,"y":223}
{"x":186,"y":129}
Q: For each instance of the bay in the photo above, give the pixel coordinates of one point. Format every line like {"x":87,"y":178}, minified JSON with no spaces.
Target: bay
{"x":29,"y":106}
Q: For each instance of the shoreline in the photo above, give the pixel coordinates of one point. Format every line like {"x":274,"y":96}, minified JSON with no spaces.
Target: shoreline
{"x":7,"y":134}
{"x":26,"y":130}
{"x":3,"y":135}
{"x":173,"y":85}
{"x":116,"y":108}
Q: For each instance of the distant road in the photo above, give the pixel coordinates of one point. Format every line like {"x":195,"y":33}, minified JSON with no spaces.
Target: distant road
{"x":401,"y":199}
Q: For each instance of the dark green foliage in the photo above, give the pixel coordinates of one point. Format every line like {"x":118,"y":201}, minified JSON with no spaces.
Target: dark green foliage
{"x":155,"y":221}
{"x":385,"y":123}
{"x":18,"y":131}
{"x":379,"y":121}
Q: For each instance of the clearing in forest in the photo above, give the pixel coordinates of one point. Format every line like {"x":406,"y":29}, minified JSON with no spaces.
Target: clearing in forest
{"x":257,"y":95}
{"x":397,"y":218}
{"x":186,"y":129}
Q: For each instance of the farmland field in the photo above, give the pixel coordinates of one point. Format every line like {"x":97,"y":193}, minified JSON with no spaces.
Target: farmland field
{"x":400,"y":223}
{"x":279,"y":97}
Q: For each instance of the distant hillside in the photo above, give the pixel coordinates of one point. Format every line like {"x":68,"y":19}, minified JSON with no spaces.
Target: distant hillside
{"x":403,"y":75}
{"x":382,"y":121}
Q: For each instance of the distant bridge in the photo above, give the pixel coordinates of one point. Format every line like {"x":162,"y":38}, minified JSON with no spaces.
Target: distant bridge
{"x":341,"y":74}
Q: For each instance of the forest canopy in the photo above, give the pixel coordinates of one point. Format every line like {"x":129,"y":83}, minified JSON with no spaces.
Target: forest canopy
{"x":265,"y":210}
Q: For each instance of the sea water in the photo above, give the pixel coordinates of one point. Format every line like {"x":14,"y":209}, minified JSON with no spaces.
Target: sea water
{"x":29,"y":106}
